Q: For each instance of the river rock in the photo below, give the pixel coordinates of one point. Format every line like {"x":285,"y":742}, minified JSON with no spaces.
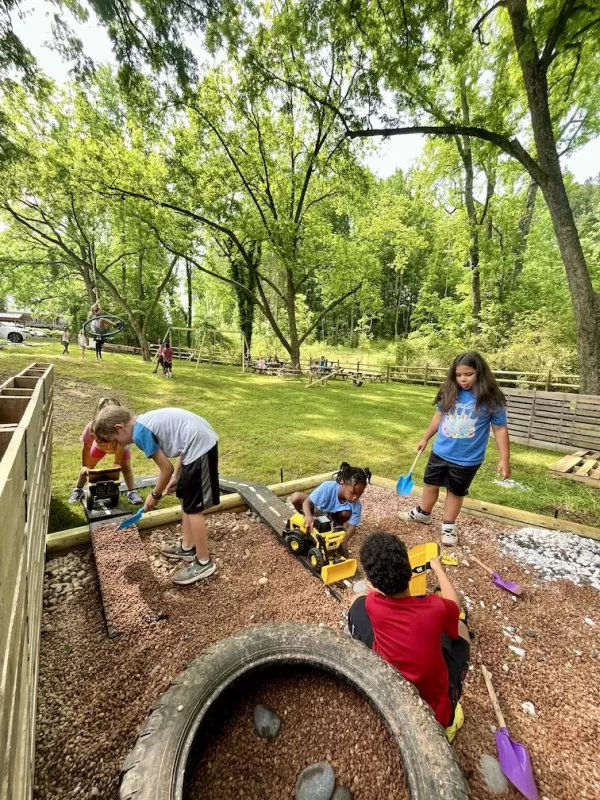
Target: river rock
{"x":315,"y":782}
{"x":492,"y":774}
{"x":266,"y":722}
{"x":342,"y":793}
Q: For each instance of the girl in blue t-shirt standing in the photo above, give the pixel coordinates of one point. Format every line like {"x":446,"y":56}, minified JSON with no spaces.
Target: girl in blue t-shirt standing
{"x":339,"y":500}
{"x":467,"y":403}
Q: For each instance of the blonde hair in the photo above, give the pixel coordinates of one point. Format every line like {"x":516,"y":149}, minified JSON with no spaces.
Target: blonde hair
{"x":105,"y":419}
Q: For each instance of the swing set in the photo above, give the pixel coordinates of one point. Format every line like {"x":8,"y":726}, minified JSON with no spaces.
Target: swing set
{"x":207,"y":345}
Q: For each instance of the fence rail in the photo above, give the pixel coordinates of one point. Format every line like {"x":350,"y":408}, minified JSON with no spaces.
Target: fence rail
{"x":25,"y":469}
{"x":425,"y":375}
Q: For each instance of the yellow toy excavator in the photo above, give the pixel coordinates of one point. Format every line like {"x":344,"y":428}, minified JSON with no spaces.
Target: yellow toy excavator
{"x":323,"y":547}
{"x":420,"y":557}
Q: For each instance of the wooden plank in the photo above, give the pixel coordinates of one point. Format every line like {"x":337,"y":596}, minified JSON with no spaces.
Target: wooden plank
{"x":587,"y":467}
{"x":566,"y":463}
{"x":595,"y":484}
{"x":12,"y":409}
{"x":541,"y":444}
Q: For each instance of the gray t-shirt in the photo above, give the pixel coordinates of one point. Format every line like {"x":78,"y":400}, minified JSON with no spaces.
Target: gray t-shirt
{"x":176,"y":432}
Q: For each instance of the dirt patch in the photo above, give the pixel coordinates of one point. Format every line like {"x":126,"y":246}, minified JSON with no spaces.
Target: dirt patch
{"x":322,"y":719}
{"x":94,"y":693}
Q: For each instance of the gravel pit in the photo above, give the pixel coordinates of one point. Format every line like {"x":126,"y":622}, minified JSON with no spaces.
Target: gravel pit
{"x":94,"y":692}
{"x":322,"y":719}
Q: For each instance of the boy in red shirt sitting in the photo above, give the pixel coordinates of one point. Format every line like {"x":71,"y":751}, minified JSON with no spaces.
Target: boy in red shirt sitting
{"x":423,"y":637}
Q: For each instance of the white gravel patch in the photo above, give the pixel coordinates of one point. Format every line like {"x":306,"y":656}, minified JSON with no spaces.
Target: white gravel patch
{"x":556,"y":555}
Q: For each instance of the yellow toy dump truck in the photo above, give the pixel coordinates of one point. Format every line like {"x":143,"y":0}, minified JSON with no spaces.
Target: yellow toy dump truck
{"x":420,"y":557}
{"x":323,"y":547}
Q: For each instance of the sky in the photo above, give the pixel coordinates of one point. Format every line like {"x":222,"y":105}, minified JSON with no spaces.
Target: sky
{"x":398,"y":152}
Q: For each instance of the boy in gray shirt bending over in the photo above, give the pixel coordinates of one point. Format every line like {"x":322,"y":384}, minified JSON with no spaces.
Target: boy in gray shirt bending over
{"x":169,"y":433}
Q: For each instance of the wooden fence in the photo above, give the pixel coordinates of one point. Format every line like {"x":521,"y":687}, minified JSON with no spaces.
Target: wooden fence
{"x":25,"y":473}
{"x":554,"y":420}
{"x":425,"y":375}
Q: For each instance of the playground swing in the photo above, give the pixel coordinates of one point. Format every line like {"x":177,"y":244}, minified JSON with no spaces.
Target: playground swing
{"x":204,"y":345}
{"x":101,"y":326}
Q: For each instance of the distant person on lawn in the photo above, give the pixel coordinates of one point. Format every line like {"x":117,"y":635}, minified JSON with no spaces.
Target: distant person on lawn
{"x":423,"y":637}
{"x":65,"y":340}
{"x":174,"y":433}
{"x":82,"y":341}
{"x":167,"y":360}
{"x":159,"y":357}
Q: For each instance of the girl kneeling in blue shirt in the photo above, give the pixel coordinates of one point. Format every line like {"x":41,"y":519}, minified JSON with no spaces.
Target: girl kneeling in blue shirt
{"x":339,"y":500}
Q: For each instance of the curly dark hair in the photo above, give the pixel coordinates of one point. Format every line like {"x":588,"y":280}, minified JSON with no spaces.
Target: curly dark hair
{"x":385,"y":560}
{"x":348,"y":474}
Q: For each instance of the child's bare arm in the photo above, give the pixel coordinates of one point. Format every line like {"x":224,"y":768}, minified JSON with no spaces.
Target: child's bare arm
{"x":119,"y":450}
{"x":166,"y":470}
{"x":85,"y":454}
{"x":172,"y":485}
{"x":431,"y":429}
{"x":503,"y":444}
{"x":448,"y":591}
{"x":308,"y":515}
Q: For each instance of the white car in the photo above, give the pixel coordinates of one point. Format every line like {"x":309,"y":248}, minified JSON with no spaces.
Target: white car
{"x":14,"y":333}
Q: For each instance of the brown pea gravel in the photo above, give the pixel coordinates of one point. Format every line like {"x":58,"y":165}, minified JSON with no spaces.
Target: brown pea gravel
{"x":130,"y":591}
{"x":322,"y":719}
{"x":95,"y":692}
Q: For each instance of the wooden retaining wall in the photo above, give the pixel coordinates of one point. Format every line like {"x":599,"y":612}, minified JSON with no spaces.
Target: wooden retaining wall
{"x":25,"y":473}
{"x":554,"y":420}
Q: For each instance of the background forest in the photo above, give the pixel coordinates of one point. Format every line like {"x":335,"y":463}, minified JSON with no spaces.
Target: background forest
{"x":225,"y":185}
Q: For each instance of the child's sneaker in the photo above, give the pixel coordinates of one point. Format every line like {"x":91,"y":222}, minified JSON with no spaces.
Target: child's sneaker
{"x":134,"y":498}
{"x":457,"y":723}
{"x":76,"y":496}
{"x":178,"y":552}
{"x":194,"y":572}
{"x":449,"y":534}
{"x":415,"y":515}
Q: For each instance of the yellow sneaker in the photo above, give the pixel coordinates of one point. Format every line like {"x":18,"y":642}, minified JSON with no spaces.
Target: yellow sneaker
{"x":459,"y":718}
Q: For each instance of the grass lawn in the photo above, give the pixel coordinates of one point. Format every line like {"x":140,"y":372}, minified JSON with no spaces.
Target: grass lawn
{"x":266,"y":424}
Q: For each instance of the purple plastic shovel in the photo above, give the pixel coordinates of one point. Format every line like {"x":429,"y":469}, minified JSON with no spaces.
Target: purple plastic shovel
{"x":510,"y":586}
{"x":513,"y":757}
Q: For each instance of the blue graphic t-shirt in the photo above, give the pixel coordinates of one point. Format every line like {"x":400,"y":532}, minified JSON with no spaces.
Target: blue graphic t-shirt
{"x":464,"y":431}
{"x":325,"y":497}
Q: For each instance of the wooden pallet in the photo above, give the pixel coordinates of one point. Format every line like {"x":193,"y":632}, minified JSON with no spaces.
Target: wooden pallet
{"x":583,"y":466}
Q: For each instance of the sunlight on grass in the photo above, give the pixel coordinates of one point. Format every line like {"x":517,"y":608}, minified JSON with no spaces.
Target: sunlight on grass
{"x":266,"y":425}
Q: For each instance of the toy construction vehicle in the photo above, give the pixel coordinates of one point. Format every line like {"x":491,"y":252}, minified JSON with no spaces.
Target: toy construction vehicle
{"x":323,"y":547}
{"x":420,"y":558}
{"x":103,"y":487}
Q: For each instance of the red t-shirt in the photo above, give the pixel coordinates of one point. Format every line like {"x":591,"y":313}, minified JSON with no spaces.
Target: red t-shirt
{"x":408,"y":634}
{"x":167,"y":353}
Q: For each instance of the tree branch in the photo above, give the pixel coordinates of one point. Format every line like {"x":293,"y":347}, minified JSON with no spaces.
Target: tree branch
{"x":555,"y":33}
{"x":326,"y":311}
{"x":511,"y":147}
{"x":477,"y":27}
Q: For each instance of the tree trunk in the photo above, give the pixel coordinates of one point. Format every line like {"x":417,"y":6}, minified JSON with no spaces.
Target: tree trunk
{"x":140,"y":287}
{"x":190,"y":307}
{"x":294,"y":349}
{"x":586,"y":302}
{"x":525,"y":220}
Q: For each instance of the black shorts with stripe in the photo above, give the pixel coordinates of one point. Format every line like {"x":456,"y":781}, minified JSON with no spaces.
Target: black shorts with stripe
{"x":198,"y":484}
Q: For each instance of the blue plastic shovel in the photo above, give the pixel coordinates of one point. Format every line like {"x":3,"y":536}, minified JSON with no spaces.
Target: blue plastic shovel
{"x":405,"y":482}
{"x":127,"y":523}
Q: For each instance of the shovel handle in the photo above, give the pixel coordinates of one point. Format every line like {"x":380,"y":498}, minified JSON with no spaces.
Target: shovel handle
{"x":493,"y":697}
{"x":414,"y":464}
{"x":481,"y":564}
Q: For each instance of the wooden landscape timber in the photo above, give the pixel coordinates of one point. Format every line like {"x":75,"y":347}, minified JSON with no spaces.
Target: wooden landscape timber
{"x":26,"y":404}
{"x":505,"y":515}
{"x":233,"y":503}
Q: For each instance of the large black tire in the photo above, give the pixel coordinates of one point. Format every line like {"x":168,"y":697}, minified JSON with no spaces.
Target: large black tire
{"x":155,"y":768}
{"x":15,"y":338}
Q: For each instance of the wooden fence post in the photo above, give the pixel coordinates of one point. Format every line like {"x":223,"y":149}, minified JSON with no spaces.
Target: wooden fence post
{"x":388,"y":373}
{"x":426,"y":374}
{"x":548,"y":379}
{"x":358,"y":366}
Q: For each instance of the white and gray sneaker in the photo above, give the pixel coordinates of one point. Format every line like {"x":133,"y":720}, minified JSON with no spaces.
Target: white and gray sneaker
{"x":194,"y":572}
{"x":449,"y":534}
{"x":178,"y":552}
{"x":414,"y":515}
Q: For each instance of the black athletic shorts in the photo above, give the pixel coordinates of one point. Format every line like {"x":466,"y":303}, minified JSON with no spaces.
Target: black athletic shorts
{"x":198,"y":484}
{"x":456,"y":652}
{"x":453,"y":477}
